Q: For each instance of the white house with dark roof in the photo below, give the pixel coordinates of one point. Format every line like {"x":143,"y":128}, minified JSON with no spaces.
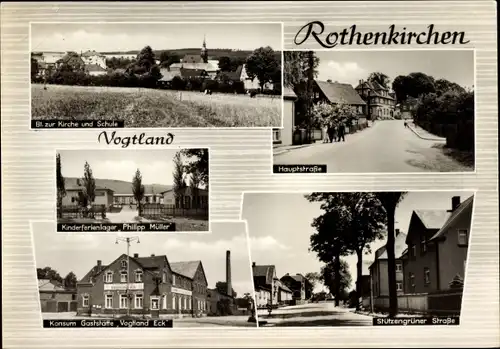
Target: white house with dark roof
{"x":94,"y":58}
{"x":380,"y":101}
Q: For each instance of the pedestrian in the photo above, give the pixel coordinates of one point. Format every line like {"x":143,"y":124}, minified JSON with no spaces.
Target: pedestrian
{"x":330,"y":133}
{"x":326,"y":133}
{"x":341,"y":132}
{"x":334,"y":132}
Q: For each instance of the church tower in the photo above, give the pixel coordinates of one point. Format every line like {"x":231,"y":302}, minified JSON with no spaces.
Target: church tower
{"x":204,"y":52}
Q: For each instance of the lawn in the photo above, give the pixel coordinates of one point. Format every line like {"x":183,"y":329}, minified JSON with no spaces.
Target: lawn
{"x":140,"y":107}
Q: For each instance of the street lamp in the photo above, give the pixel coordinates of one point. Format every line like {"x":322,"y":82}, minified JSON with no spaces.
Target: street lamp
{"x":128,"y":241}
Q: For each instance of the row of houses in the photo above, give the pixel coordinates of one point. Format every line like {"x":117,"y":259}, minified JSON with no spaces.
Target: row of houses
{"x":370,"y":100}
{"x":141,"y":285}
{"x":431,"y":260}
{"x":274,"y":291}
{"x":186,"y":198}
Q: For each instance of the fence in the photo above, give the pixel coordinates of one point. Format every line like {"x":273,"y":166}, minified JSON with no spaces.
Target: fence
{"x":446,"y":302}
{"x":160,"y":210}
{"x":76,"y":211}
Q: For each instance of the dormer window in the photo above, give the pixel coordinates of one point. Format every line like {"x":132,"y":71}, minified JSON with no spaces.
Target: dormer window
{"x":124,"y":264}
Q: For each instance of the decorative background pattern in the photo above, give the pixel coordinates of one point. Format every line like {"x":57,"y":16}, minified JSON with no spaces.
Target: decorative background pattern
{"x":241,"y":161}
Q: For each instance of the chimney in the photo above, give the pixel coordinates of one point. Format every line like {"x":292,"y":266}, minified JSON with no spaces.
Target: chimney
{"x":99,"y":265}
{"x":455,"y":202}
{"x":229,"y":290}
{"x":253,"y":264}
{"x":360,"y":82}
{"x":136,"y":255}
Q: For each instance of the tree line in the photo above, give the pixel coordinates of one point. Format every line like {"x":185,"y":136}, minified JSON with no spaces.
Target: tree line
{"x":143,"y":71}
{"x":47,"y":273}
{"x":350,"y":223}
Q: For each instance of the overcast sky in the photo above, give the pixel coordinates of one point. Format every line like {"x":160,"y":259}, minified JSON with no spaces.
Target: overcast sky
{"x":279,"y":226}
{"x":156,"y":166}
{"x":111,"y":37}
{"x":80,"y":252}
{"x":351,"y":66}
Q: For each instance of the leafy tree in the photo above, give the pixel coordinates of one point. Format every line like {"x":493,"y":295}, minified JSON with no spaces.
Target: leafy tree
{"x":379,"y":78}
{"x":138,"y":190}
{"x":312,"y":280}
{"x":225,"y":64}
{"x":145,"y":67}
{"x":221,"y":287}
{"x":197,"y":162}
{"x":49,"y":274}
{"x":70,"y":280}
{"x":262,"y":64}
{"x":390,"y":201}
{"x":327,"y":276}
{"x":88,"y":185}
{"x":179,"y":183}
{"x":325,"y":114}
{"x":60,"y":183}
{"x":71,"y":62}
{"x":442,"y":86}
{"x":34,"y":69}
{"x":413,"y":85}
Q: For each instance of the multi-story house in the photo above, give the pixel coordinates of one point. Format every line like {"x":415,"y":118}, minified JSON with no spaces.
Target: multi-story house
{"x":380,"y":101}
{"x":143,"y":285}
{"x":265,"y":279}
{"x":94,"y":59}
{"x":437,"y":243}
{"x":379,"y":272}
{"x":299,"y":285}
{"x":54,"y":297}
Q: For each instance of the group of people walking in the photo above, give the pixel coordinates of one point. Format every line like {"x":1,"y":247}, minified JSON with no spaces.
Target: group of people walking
{"x":335,"y":132}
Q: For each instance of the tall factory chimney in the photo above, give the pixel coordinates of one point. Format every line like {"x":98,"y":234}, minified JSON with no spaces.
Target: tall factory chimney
{"x":228,"y":274}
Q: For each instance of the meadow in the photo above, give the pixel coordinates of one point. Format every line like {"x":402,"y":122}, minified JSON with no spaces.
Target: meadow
{"x":141,"y":107}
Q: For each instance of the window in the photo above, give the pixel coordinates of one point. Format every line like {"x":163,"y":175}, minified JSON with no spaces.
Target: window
{"x":427,"y":276}
{"x":164,"y":278}
{"x":413,"y":250}
{"x":173,"y":279}
{"x":123,"y":301}
{"x":399,"y":286}
{"x":155,"y":303}
{"x":423,"y":245}
{"x":85,"y":301}
{"x":189,"y":303}
{"x":139,"y":301}
{"x":185,"y":302}
{"x":173,"y":301}
{"x":138,"y":276}
{"x":399,"y":267}
{"x":123,"y":276}
{"x":462,"y":237}
{"x":108,"y":301}
{"x":412,"y":280}
{"x":124,"y":264}
{"x":108,"y":277}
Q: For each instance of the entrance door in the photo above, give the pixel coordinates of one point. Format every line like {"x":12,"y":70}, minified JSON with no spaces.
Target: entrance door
{"x":155,"y":307}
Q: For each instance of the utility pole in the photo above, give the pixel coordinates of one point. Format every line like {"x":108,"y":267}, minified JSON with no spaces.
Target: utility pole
{"x":128,"y":241}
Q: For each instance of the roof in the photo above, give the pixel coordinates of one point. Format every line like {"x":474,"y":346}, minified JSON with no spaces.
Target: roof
{"x":231,"y":75}
{"x":288,"y":93}
{"x":192,"y":59}
{"x":454,"y":215}
{"x":81,"y":188}
{"x":262,"y":288}
{"x":188,"y":190}
{"x":187,"y":269}
{"x":150,"y":262}
{"x":188,"y":73}
{"x":168,"y":75}
{"x":285,"y":288}
{"x":340,"y":93}
{"x":399,"y":247}
{"x":91,"y":53}
{"x":209,"y":67}
{"x":432,"y":219}
{"x":119,"y":187}
{"x":266,"y":271}
{"x":94,"y":68}
{"x":49,"y":285}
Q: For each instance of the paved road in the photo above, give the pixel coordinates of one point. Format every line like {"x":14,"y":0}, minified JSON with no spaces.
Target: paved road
{"x":316,"y":314}
{"x":387,"y":146}
{"x":126,"y":215}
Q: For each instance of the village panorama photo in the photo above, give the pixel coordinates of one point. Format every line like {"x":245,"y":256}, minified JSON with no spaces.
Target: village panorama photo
{"x":184,"y":75}
{"x":357,"y":258}
{"x":394,"y":111}
{"x":196,"y":280}
{"x":132,"y":190}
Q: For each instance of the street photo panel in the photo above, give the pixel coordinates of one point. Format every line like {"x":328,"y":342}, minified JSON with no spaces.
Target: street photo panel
{"x":392,"y":111}
{"x":359,"y":258}
{"x":149,"y":280}
{"x":155,"y":75}
{"x":132,"y":190}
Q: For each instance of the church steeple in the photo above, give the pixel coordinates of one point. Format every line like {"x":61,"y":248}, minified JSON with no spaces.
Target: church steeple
{"x":204,"y":52}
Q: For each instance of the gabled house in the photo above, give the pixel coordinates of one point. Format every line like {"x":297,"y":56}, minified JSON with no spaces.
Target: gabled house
{"x":437,"y":247}
{"x":253,"y":84}
{"x":379,"y":268}
{"x":336,"y":93}
{"x":93,"y":58}
{"x":54,"y":297}
{"x":299,"y":286}
{"x":95,"y":70}
{"x":103,"y":196}
{"x":143,"y":285}
{"x":380,"y":101}
{"x":264,"y":278}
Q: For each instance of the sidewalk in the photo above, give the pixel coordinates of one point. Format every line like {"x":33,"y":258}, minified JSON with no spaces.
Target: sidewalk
{"x":423,"y":134}
{"x":281,"y":149}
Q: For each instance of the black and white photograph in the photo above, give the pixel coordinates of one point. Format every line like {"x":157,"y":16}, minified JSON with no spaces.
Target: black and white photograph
{"x":400,"y":256}
{"x":393,"y":111}
{"x":132,"y":190}
{"x":196,"y":280}
{"x":153,"y":75}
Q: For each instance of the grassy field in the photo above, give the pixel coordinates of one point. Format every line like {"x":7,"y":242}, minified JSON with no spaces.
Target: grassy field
{"x":140,"y":107}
